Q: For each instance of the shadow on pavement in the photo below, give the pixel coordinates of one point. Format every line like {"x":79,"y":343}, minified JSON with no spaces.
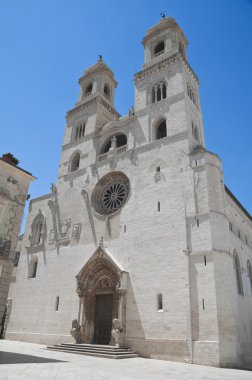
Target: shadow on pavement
{"x":14,"y":358}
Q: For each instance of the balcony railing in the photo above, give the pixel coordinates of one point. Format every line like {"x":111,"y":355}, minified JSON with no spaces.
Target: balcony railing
{"x":119,"y":150}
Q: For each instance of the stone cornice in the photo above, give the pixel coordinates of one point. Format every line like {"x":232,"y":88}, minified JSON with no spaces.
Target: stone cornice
{"x":96,"y":100}
{"x":164,"y":24}
{"x":163,"y":64}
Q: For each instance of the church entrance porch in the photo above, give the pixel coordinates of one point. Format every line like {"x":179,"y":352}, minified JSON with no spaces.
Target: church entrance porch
{"x":103,"y":318}
{"x":101,"y":287}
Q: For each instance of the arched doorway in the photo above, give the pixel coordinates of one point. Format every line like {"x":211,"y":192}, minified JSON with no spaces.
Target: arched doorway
{"x":101,"y":285}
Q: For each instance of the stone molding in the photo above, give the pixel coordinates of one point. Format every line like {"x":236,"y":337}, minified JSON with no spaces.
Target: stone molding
{"x":96,"y":100}
{"x":178,"y":57}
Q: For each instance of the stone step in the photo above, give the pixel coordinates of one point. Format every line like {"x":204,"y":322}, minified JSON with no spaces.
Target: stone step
{"x":94,"y":347}
{"x":104,"y":351}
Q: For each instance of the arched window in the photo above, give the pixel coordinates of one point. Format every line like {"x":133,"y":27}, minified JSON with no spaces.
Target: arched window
{"x":238,"y":273}
{"x":159,"y":48}
{"x":75,"y":162}
{"x":106,"y":91}
{"x":89,"y":89}
{"x":79,"y":131}
{"x":250,"y":275}
{"x":158,"y":92}
{"x":161,"y":130}
{"x":117,"y":140}
{"x":33,"y":265}
{"x":37,"y":229}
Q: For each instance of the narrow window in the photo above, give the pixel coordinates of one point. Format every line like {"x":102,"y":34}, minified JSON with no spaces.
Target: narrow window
{"x":1,"y":270}
{"x":57,"y":303}
{"x":76,"y":133}
{"x":159,"y":49}
{"x":33,"y":266}
{"x":83,"y":129}
{"x":158,"y":169}
{"x":106,"y":91}
{"x":203,"y":304}
{"x":164,"y":91}
{"x":205,"y":260}
{"x":89,"y":89}
{"x":158,"y":93}
{"x":160,"y":302}
{"x":153,"y":95}
{"x":231,"y":226}
{"x":239,"y":233}
{"x":161,"y":131}
{"x":124,"y":228}
{"x":158,"y":206}
{"x":197,"y":222}
{"x":238,"y":274}
{"x":75,"y":163}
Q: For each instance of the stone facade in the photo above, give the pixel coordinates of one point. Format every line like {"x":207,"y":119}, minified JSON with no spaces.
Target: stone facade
{"x":139,"y":215}
{"x":14,"y":184}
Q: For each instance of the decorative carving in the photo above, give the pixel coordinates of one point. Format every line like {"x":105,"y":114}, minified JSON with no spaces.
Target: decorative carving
{"x":99,"y":276}
{"x":76,"y":231}
{"x":5,"y":245}
{"x":117,"y":329}
{"x":64,"y":228}
{"x":76,"y":331}
{"x":53,"y":188}
{"x":158,"y":177}
{"x":37,"y":229}
{"x":52,"y":236}
{"x":110,"y":193}
{"x":113,"y":143}
{"x":101,"y":244}
{"x":164,"y":63}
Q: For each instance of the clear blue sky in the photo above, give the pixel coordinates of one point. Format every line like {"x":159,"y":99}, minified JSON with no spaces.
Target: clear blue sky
{"x":47,"y":44}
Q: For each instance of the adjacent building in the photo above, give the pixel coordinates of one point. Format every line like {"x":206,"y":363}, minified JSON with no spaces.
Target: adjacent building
{"x":14,"y":184}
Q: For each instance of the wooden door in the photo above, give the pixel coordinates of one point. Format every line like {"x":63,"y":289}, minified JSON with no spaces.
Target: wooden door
{"x":103,"y":318}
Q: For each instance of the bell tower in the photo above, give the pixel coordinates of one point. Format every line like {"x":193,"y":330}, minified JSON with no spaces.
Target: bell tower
{"x":94,"y":109}
{"x":163,"y":40}
{"x":166,"y":90}
{"x":98,"y":79}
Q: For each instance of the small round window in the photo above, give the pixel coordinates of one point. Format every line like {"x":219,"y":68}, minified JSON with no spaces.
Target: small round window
{"x":111,"y":193}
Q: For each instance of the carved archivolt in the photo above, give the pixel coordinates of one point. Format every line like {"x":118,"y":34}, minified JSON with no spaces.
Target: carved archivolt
{"x":100,"y":275}
{"x":98,"y":272}
{"x":37,"y":229}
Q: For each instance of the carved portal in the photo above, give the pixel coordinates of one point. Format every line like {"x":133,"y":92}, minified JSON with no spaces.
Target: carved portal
{"x":99,"y":277}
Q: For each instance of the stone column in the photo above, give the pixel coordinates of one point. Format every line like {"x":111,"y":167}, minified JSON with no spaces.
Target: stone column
{"x":121,"y":314}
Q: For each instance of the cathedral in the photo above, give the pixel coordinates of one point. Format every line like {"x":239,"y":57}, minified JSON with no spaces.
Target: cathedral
{"x":140,"y":229}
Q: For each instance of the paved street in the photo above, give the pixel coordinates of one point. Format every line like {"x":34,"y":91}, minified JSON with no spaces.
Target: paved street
{"x":25,"y":361}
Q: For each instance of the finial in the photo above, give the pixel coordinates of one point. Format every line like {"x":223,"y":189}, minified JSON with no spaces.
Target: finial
{"x":99,"y":58}
{"x":162,"y":14}
{"x":101,"y":242}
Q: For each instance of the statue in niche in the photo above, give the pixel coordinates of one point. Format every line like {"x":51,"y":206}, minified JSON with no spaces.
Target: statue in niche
{"x":113,"y":143}
{"x":76,"y":231}
{"x":64,"y":228}
{"x":76,"y":331}
{"x":117,"y":329}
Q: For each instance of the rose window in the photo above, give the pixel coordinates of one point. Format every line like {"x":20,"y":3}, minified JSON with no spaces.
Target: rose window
{"x":110,"y":193}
